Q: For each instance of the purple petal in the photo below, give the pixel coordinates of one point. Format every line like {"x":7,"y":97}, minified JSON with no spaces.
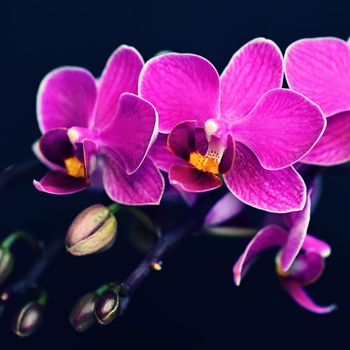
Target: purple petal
{"x":181,"y":87}
{"x":227,"y":159}
{"x":132,"y":132}
{"x":57,"y":182}
{"x":253,"y":70}
{"x":296,"y":291}
{"x":268,"y":237}
{"x":190,"y":179}
{"x":226,"y":208}
{"x":278,"y":191}
{"x":66,"y":98}
{"x":297,"y":234}
{"x":182,"y":140}
{"x":120,"y":75}
{"x":313,"y":244}
{"x":320,"y":69}
{"x":334,"y":146}
{"x":306,"y":268}
{"x":145,"y":186}
{"x":161,"y":154}
{"x":55,"y":146}
{"x":36,"y":150}
{"x":281,"y":128}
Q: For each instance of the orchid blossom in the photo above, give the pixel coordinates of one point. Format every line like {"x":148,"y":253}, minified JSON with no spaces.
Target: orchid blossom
{"x":320,"y":69}
{"x":241,"y":125}
{"x":99,"y":128}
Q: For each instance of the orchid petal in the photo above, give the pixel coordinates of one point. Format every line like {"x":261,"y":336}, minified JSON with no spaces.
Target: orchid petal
{"x":145,"y":186}
{"x":334,"y":146}
{"x":226,"y":208}
{"x":298,"y":294}
{"x":228,"y":157}
{"x":120,"y":75}
{"x":36,"y":150}
{"x":58,"y":182}
{"x":313,"y":244}
{"x":66,"y":98}
{"x":268,"y":237}
{"x":281,"y":128}
{"x":132,"y":132}
{"x":319,"y":68}
{"x":278,"y":191}
{"x":253,"y":70}
{"x":181,"y":86}
{"x":190,"y":179}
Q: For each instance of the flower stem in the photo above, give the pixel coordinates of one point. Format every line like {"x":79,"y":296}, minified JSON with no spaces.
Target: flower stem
{"x":21,"y":235}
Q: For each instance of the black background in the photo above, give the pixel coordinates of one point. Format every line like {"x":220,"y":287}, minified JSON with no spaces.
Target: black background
{"x":192,"y":303}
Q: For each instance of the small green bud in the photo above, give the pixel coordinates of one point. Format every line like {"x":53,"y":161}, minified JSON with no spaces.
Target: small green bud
{"x":107,"y":306}
{"x":28,"y":319}
{"x":93,"y":230}
{"x":82,"y":314}
{"x":6,"y":264}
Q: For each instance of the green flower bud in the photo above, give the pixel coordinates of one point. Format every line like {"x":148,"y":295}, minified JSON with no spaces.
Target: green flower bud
{"x":93,"y":230}
{"x":107,"y":306}
{"x":82,"y":314}
{"x":6,"y":264}
{"x":28,"y":319}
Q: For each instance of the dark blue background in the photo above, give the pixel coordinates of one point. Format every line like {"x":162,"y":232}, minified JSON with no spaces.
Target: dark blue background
{"x":192,"y":303}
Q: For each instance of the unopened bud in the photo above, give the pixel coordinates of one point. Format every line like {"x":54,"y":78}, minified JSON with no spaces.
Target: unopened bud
{"x":92,"y":231}
{"x":82,"y":314}
{"x":6,"y":264}
{"x":107,"y":306}
{"x":28,"y":319}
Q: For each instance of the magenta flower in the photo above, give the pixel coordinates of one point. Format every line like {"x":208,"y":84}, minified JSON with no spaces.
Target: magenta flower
{"x":93,"y":129}
{"x":242,"y":125}
{"x":320,"y":69}
{"x":299,"y":262}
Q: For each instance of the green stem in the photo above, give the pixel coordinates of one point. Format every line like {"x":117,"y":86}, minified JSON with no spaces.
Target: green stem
{"x":17,"y":235}
{"x":114,"y":207}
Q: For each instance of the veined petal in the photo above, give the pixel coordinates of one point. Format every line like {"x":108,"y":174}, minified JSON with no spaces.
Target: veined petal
{"x":268,"y":237}
{"x":319,"y":68}
{"x":226,"y":208}
{"x":334,"y":146}
{"x":181,"y":87}
{"x":120,"y":75}
{"x":66,"y":98}
{"x":297,"y":234}
{"x":253,"y":70}
{"x":190,"y":179}
{"x":58,"y":182}
{"x":298,"y":294}
{"x":281,"y":128}
{"x":143,"y":187}
{"x":278,"y":191}
{"x":132,"y":132}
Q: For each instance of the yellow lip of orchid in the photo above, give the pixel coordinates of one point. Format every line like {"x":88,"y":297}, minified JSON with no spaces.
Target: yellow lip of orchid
{"x":74,"y":167}
{"x":208,"y":163}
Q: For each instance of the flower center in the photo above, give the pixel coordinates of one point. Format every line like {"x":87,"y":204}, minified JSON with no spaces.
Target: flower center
{"x":74,"y":167}
{"x":207,"y":163}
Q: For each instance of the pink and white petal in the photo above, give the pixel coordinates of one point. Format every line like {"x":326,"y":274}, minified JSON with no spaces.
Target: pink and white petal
{"x":298,"y":294}
{"x":297,"y":233}
{"x":319,"y":68}
{"x":181,"y":87}
{"x":120,"y":75}
{"x":313,"y":244}
{"x":252,"y":71}
{"x":276,"y":191}
{"x":58,"y":182}
{"x":281,"y":128}
{"x":268,"y":237}
{"x":144,"y":187}
{"x":334,"y":146}
{"x":188,"y":178}
{"x":162,"y":156}
{"x":66,"y":98}
{"x":132,"y":132}
{"x":224,"y":209}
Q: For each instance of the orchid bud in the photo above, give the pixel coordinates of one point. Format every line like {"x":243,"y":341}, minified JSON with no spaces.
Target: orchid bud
{"x":6,"y":264}
{"x":107,"y":306}
{"x":93,"y":230}
{"x":82,"y":314}
{"x":28,"y":319}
